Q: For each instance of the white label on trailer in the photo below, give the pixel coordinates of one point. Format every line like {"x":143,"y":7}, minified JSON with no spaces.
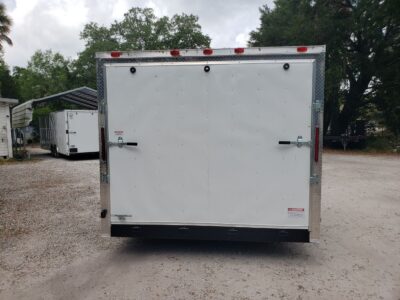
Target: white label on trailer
{"x":118,"y":132}
{"x":296,"y":212}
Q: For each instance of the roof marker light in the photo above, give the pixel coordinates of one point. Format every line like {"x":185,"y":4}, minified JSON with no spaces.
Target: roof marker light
{"x":302,"y":49}
{"x":175,"y":52}
{"x":116,"y":53}
{"x":208,"y":51}
{"x":239,"y":50}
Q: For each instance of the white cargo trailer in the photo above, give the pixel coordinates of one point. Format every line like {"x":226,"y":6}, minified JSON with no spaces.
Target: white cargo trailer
{"x":212,"y":143}
{"x":70,"y":132}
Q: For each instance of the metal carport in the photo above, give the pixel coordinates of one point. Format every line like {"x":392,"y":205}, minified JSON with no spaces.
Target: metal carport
{"x":83,"y":96}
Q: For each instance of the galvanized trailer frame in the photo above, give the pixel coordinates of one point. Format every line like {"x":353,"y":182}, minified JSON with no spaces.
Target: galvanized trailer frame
{"x":198,"y":55}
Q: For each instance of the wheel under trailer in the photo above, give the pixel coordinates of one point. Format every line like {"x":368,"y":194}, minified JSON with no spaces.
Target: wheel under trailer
{"x":216,"y":144}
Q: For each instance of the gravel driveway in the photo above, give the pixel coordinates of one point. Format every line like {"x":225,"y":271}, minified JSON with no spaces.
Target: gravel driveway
{"x":50,"y":246}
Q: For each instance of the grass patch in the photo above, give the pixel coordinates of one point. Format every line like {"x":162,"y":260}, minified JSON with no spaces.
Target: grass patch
{"x":9,"y":161}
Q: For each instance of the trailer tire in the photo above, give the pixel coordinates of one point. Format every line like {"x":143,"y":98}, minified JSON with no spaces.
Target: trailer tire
{"x":53,"y":150}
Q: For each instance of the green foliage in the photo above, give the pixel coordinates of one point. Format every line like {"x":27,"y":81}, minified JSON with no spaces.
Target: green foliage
{"x":97,"y":39}
{"x":381,"y":144}
{"x":139,"y":29}
{"x":44,"y":111}
{"x":5,"y":24}
{"x":47,"y":73}
{"x":8,"y":88}
{"x":360,"y":35}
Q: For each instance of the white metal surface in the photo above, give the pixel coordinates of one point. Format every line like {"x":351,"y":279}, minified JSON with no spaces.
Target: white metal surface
{"x":58,"y":127}
{"x":208,"y":150}
{"x":83,"y":130}
{"x":72,"y":129}
{"x":5,"y":131}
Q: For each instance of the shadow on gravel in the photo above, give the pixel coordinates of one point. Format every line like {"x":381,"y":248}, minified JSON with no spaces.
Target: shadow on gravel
{"x":86,"y":156}
{"x":75,"y":157}
{"x":138,"y":247}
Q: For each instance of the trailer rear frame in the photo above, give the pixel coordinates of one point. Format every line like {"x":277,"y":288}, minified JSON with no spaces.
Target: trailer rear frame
{"x":311,"y":234}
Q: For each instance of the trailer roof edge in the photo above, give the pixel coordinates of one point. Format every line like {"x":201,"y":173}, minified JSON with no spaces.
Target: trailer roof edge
{"x":288,"y":50}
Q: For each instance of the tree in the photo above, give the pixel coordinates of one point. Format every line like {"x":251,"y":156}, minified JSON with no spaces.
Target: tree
{"x":47,"y":73}
{"x":8,"y":86}
{"x":140,"y":29}
{"x":358,"y":35}
{"x":97,"y":38}
{"x":5,"y":24}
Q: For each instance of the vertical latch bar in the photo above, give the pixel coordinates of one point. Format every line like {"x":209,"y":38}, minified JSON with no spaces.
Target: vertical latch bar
{"x":316,"y":145}
{"x":103,"y":144}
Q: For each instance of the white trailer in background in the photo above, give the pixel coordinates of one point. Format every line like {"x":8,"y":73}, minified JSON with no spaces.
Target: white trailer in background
{"x":70,"y":132}
{"x":212,"y":143}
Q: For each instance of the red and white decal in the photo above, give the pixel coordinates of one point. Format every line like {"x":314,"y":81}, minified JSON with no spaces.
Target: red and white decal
{"x":295,"y":212}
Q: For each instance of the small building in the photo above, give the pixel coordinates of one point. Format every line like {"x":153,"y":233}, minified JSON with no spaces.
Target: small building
{"x":5,"y":127}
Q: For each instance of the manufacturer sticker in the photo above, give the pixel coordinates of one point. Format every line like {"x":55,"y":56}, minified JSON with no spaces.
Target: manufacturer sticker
{"x":118,"y":132}
{"x":295,"y":212}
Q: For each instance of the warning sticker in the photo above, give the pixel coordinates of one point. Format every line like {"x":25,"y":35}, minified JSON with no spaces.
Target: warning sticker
{"x":296,"y":212}
{"x":118,"y":132}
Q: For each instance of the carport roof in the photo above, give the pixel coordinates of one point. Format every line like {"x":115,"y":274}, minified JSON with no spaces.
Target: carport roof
{"x":83,"y":96}
{"x":9,"y":101}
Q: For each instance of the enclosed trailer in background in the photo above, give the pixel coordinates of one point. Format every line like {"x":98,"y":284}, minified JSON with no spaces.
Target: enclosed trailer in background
{"x":70,"y":132}
{"x":212,"y":143}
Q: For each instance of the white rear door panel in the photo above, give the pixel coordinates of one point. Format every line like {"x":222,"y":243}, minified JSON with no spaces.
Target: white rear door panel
{"x":208,"y":150}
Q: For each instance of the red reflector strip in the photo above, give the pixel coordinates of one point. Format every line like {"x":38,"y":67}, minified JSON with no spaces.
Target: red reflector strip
{"x":103,"y":144}
{"x":302,"y":49}
{"x":175,"y":52}
{"x":116,"y":53}
{"x":239,"y":50}
{"x":208,"y":51}
{"x":316,"y":145}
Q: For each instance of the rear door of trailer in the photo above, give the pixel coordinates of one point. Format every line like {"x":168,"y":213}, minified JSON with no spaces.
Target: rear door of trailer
{"x":208,"y":142}
{"x":82,"y":131}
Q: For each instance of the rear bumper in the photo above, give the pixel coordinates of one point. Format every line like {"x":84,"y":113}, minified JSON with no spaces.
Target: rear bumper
{"x":211,"y":233}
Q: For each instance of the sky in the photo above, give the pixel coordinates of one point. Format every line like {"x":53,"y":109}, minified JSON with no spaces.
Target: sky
{"x":56,"y":24}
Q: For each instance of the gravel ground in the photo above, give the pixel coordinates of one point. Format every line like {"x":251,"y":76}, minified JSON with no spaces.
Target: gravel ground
{"x":51,"y":247}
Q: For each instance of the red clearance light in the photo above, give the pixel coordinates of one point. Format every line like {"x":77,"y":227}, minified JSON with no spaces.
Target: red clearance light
{"x":116,"y":53}
{"x":302,"y":49}
{"x":316,"y":145}
{"x":175,"y":52}
{"x":208,"y":51}
{"x":239,"y":50}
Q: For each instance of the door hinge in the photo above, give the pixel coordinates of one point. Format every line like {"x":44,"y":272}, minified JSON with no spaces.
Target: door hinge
{"x":314,"y":179}
{"x":102,"y":107}
{"x":105,"y":178}
{"x":317,"y":106}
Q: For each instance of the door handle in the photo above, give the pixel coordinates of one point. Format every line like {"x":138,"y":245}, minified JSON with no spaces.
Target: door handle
{"x":299,"y":142}
{"x":121,"y":143}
